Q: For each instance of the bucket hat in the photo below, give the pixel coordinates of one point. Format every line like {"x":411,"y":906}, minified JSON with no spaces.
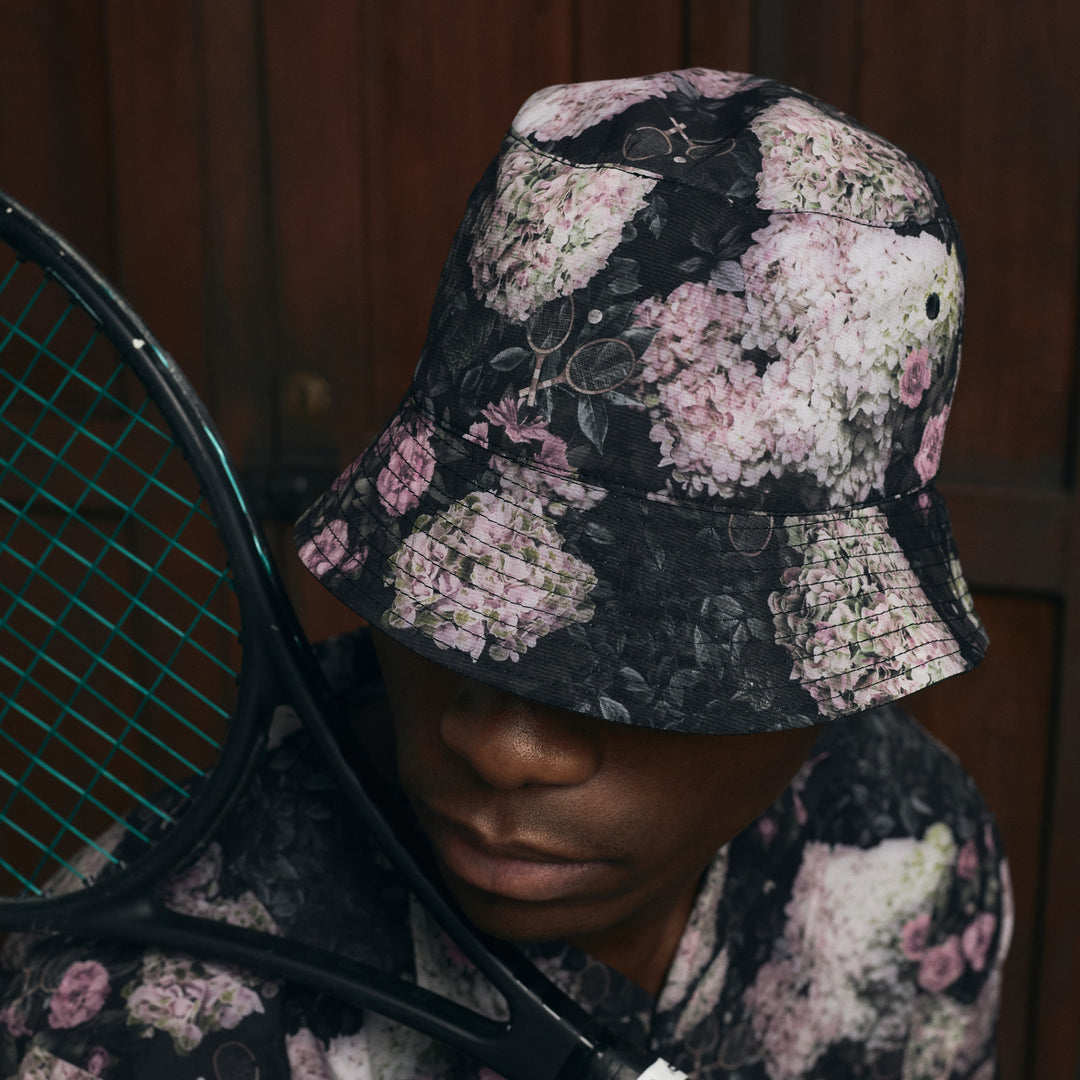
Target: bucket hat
{"x":668,"y":453}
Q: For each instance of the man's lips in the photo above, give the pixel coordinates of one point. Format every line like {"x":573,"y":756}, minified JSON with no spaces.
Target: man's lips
{"x":510,"y":868}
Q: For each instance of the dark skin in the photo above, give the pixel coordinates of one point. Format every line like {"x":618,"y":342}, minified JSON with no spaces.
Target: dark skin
{"x":551,"y":825}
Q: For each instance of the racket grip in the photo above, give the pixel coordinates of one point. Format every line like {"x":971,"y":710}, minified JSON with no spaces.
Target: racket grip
{"x":617,"y":1059}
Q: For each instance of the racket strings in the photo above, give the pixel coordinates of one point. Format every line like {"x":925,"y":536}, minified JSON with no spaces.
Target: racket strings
{"x":118,"y":624}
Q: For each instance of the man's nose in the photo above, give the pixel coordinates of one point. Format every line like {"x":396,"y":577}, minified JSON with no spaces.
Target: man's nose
{"x":510,"y":742}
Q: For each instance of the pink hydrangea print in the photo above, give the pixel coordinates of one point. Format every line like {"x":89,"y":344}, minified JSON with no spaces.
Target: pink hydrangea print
{"x":329,"y":549}
{"x":408,"y":472}
{"x":560,"y":112}
{"x":488,"y":573}
{"x":941,"y":965}
{"x":548,"y":228}
{"x":196,"y":891}
{"x":39,"y":1064}
{"x":80,"y":995}
{"x":854,"y":616}
{"x":842,"y":308}
{"x":186,"y":999}
{"x":713,"y":422}
{"x":812,"y":161}
{"x":548,"y":475}
{"x":842,"y":312}
{"x":307,"y":1056}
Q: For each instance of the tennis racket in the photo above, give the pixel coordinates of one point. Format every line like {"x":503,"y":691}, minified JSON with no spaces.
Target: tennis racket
{"x":145,"y":641}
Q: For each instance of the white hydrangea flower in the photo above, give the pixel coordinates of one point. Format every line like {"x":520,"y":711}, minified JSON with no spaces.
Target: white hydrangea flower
{"x":834,"y":974}
{"x":844,"y":307}
{"x":548,"y":228}
{"x":854,"y":616}
{"x":857,"y":322}
{"x":488,"y":573}
{"x":811,"y":161}
{"x":560,"y":112}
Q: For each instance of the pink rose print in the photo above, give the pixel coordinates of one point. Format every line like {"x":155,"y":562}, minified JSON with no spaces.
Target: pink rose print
{"x":13,"y":1019}
{"x":913,"y":936}
{"x":929,"y":455}
{"x":976,"y":938}
{"x":967,"y":861}
{"x":767,"y":829}
{"x":916,"y":377}
{"x":80,"y":995}
{"x":98,"y":1060}
{"x":941,"y":966}
{"x":407,"y":474}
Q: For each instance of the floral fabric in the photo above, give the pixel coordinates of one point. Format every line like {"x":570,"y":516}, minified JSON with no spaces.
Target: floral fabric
{"x":696,"y":330}
{"x":857,"y":929}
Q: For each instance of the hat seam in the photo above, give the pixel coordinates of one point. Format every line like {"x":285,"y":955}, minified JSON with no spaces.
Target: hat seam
{"x":435,"y":513}
{"x":804,"y":682}
{"x":660,"y":178}
{"x":775,"y":638}
{"x":840,"y":515}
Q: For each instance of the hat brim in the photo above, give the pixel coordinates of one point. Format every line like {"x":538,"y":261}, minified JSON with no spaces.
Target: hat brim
{"x":647,"y":611}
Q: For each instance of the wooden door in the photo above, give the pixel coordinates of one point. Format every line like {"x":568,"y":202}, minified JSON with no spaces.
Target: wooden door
{"x":274,"y":184}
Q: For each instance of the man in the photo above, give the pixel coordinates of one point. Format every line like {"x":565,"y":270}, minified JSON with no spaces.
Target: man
{"x":648,"y":551}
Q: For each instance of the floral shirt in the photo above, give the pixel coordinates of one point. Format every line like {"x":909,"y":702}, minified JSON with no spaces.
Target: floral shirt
{"x":856,"y":929}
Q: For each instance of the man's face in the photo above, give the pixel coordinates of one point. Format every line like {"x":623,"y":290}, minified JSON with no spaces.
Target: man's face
{"x":548,"y":824}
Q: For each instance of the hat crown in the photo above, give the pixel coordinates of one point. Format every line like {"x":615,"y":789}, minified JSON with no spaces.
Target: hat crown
{"x":709,"y":288}
{"x":666,"y":454}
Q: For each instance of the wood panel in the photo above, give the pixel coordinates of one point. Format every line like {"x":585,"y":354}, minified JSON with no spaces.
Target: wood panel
{"x":987,"y":106}
{"x":276,"y":184}
{"x":977,"y":715}
{"x":720,"y":36}
{"x":1055,"y":1035}
{"x":236,"y":273}
{"x":618,"y":39}
{"x":435,"y":123}
{"x":158,"y":189}
{"x":53,"y":123}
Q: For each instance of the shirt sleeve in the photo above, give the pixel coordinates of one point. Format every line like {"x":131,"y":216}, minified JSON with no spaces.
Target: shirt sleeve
{"x":960,"y":962}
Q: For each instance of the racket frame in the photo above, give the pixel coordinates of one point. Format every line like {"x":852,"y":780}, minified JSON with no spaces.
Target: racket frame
{"x":548,"y":1035}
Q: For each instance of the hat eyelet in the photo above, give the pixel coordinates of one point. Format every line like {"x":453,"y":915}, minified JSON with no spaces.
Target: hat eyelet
{"x":933,"y":306}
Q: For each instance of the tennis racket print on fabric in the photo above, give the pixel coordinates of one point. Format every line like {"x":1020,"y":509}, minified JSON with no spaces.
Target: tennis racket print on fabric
{"x":145,"y":641}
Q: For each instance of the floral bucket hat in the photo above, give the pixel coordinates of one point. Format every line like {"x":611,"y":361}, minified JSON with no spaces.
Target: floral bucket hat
{"x":669,"y":450}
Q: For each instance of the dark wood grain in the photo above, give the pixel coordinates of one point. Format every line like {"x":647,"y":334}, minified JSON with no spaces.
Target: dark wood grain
{"x":821,"y":50}
{"x":276,"y":184}
{"x":990,"y":104}
{"x":997,"y":720}
{"x":720,"y":36}
{"x":442,"y":84}
{"x":618,"y":39}
{"x":1011,"y":538}
{"x":157,"y":186}
{"x":1055,"y":1037}
{"x":53,"y":123}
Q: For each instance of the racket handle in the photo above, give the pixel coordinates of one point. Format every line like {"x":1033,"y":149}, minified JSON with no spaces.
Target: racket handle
{"x":617,"y":1060}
